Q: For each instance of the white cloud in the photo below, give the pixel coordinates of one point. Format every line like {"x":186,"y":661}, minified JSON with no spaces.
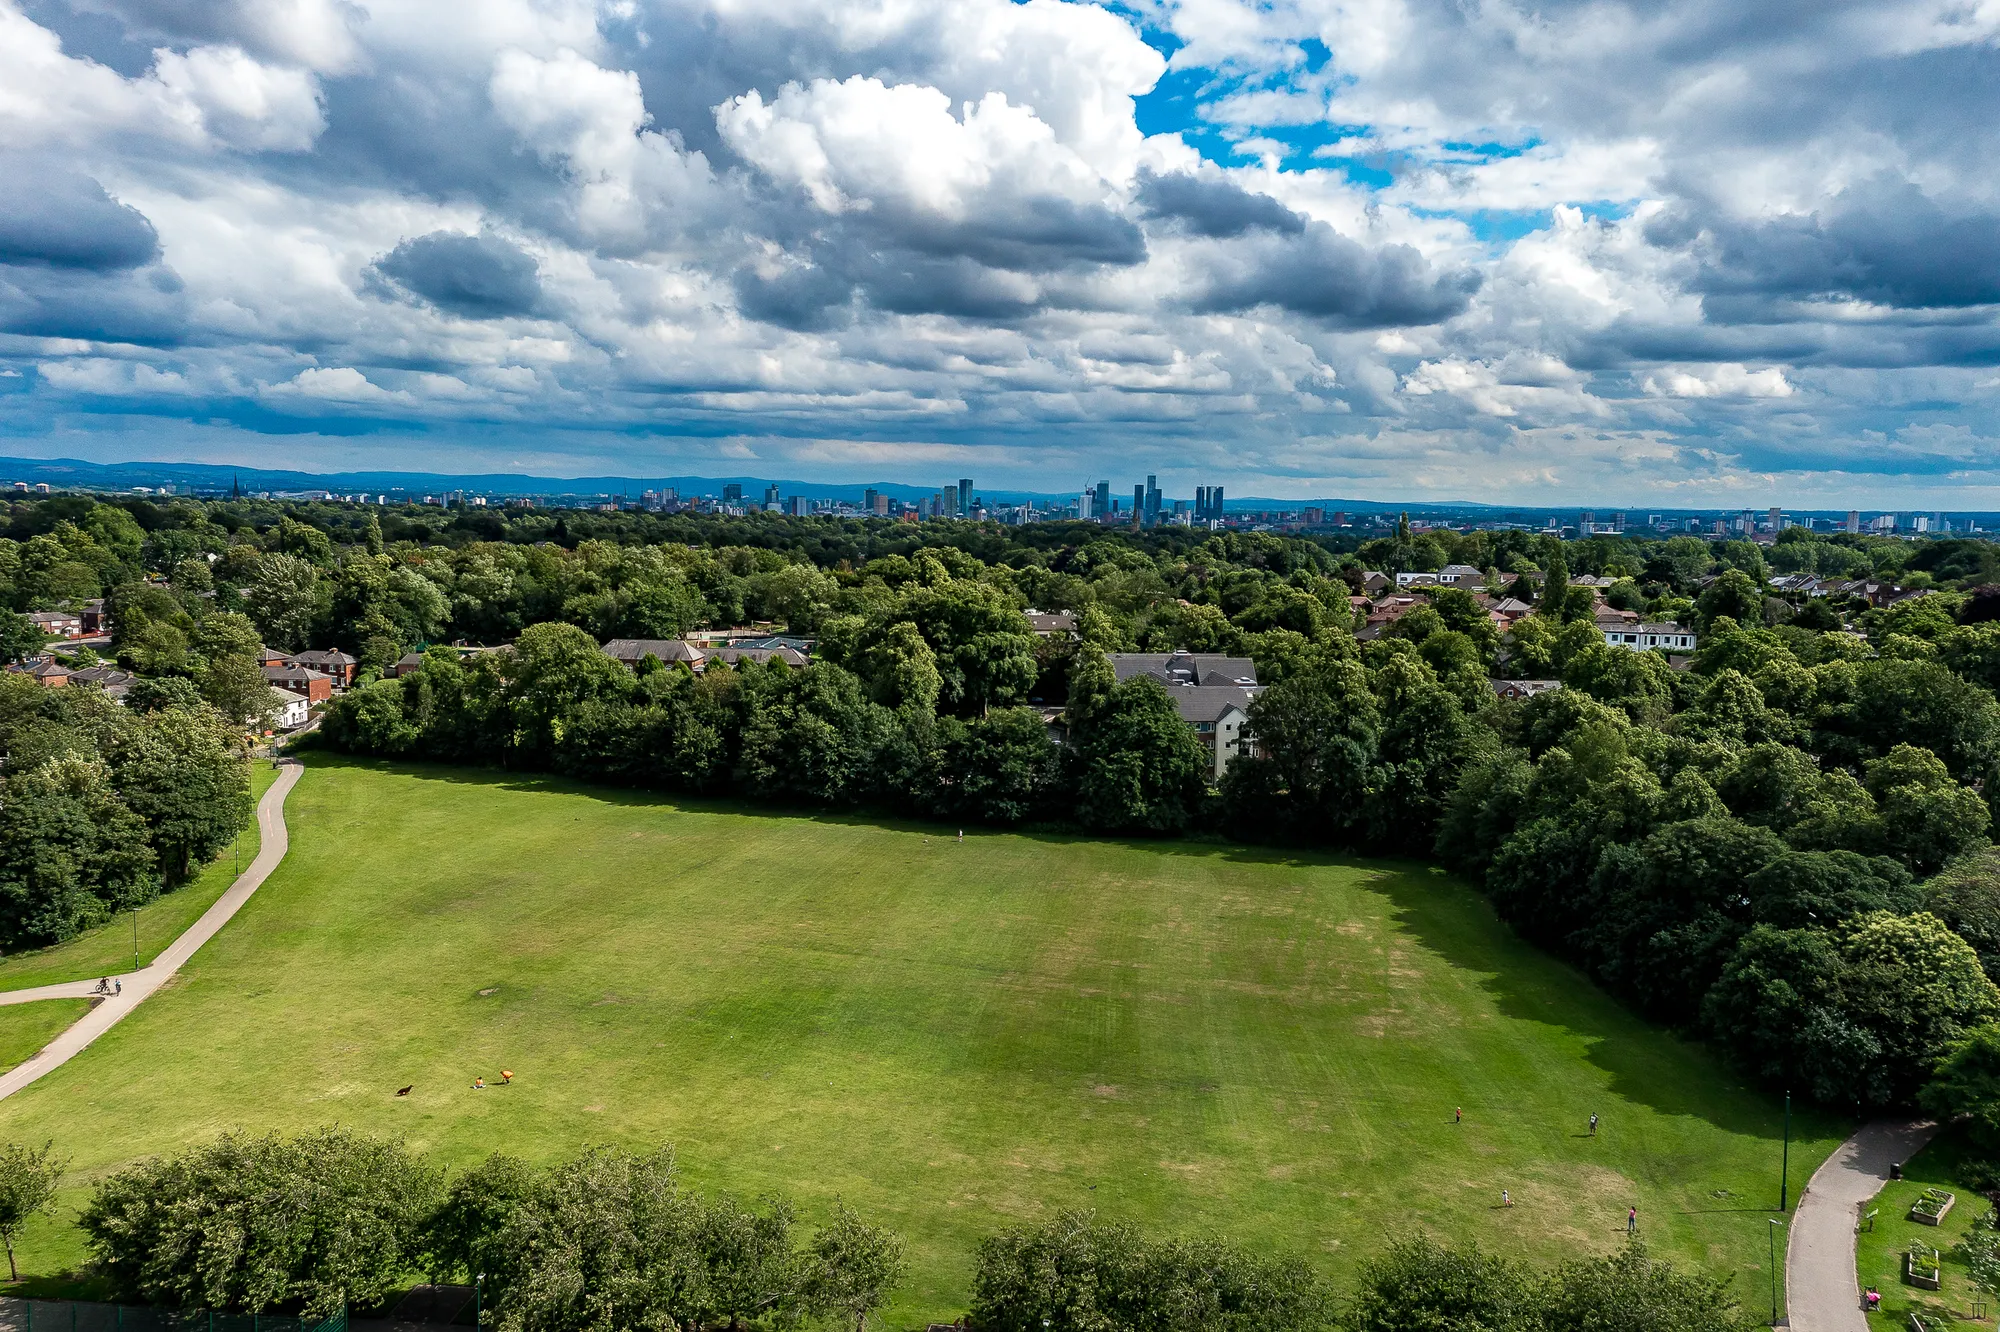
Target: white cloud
{"x":1728,"y":380}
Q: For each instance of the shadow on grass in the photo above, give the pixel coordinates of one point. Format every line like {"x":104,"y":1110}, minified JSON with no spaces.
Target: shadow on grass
{"x":1647,"y":1064}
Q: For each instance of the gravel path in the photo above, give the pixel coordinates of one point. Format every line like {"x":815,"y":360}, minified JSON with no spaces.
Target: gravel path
{"x":1822,"y":1291}
{"x":107,"y":1013}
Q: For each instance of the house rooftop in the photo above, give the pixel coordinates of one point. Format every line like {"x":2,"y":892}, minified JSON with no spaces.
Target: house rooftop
{"x":1185,"y":669}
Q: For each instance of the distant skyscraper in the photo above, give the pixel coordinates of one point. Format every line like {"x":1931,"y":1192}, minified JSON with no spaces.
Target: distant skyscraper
{"x":732,"y":493}
{"x":964,"y":496}
{"x":1854,"y":520}
{"x":1152,"y":501}
{"x":770,"y":495}
{"x":1777,"y":519}
{"x":1139,"y":505}
{"x":1102,"y":509}
{"x":1586,"y":522}
{"x":1084,"y":501}
{"x":868,"y":498}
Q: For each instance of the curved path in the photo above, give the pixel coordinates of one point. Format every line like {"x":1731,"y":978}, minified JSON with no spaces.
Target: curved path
{"x":1822,"y":1292}
{"x":107,"y":1013}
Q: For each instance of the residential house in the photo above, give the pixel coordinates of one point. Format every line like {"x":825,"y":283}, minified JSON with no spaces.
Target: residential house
{"x":314,"y":686}
{"x":1182,"y":668}
{"x":1386,"y":612}
{"x":670,"y":651}
{"x":96,"y":620}
{"x":1640,"y":637}
{"x":404,"y":664}
{"x":1509,"y":609}
{"x":289,"y":711}
{"x":110,"y":679}
{"x":1050,"y":624}
{"x":268,"y":657}
{"x":1212,"y":693}
{"x":1216,"y":714}
{"x":757,"y":653}
{"x":1461,"y":575}
{"x":1417,"y":580}
{"x":47,"y":672}
{"x":331,"y":662}
{"x":57,"y":624}
{"x":1524,"y":688}
{"x":675,"y":651}
{"x":1375,"y":584}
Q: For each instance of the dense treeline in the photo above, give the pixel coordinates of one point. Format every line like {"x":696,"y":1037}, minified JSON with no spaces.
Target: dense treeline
{"x":609,"y":1239}
{"x":104,"y":806}
{"x":1779,"y":847}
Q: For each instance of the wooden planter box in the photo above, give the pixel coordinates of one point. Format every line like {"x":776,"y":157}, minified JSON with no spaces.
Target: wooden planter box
{"x":1944,"y":1211}
{"x":1925,"y":1278}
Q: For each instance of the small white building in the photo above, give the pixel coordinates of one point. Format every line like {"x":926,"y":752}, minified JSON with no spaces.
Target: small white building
{"x":289,"y":711}
{"x":1643,"y":637}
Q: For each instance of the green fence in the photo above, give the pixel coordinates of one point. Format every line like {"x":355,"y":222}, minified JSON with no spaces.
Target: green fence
{"x":82,"y":1316}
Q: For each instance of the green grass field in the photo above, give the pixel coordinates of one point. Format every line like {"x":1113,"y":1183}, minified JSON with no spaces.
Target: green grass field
{"x":1879,"y":1251}
{"x":26,"y":1028}
{"x":108,"y":951}
{"x":950,"y":1037}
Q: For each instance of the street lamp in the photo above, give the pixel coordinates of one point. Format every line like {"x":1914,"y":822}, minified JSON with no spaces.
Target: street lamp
{"x":478,"y":1302}
{"x":1772,"y":1234}
{"x":1785,"y":1167}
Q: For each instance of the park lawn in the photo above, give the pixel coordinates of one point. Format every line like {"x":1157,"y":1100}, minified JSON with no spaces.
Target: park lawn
{"x":107,"y":950}
{"x":1946,"y":1163}
{"x":26,"y":1028}
{"x":949,"y":1037}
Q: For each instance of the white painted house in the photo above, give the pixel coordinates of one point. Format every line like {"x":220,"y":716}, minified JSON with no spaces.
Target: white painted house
{"x":1643,"y":637}
{"x":289,"y":711}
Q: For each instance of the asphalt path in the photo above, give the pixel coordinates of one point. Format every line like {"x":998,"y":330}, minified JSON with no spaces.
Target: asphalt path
{"x":107,"y":1013}
{"x":1822,"y":1291}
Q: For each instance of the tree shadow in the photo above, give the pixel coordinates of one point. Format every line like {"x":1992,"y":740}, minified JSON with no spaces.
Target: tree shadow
{"x":1647,"y":1064}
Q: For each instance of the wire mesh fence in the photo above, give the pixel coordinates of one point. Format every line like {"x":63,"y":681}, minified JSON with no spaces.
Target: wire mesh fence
{"x":19,"y":1315}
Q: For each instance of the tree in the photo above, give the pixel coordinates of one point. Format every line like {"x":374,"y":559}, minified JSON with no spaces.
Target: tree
{"x":1635,"y":1292}
{"x":322,"y":1220}
{"x":28,"y":1180}
{"x":1314,"y":737}
{"x":286,"y":600}
{"x":182,"y":772}
{"x":901,"y":669}
{"x":234,"y":685}
{"x":71,"y":852}
{"x":1916,"y":987}
{"x":1967,"y":1085}
{"x":19,"y":638}
{"x":1966,"y":897}
{"x":1000,"y":768}
{"x":1138,"y":768}
{"x":1736,"y":595}
{"x":1926,"y":817}
{"x":460,"y":1235}
{"x":851,"y":1267}
{"x":1077,"y":1274}
{"x":1419,"y":1285}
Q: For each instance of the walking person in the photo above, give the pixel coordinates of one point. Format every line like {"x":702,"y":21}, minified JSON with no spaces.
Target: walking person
{"x":118,"y":987}
{"x":1593,"y":1126}
{"x":1458,"y":1114}
{"x":1506,"y":1198}
{"x":1632,"y":1221}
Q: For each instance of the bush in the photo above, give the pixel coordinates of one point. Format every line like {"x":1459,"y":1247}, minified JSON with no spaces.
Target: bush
{"x":251,"y":1224}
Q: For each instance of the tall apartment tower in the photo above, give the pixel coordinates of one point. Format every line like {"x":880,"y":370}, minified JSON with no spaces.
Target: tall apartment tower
{"x":1777,"y":519}
{"x":1854,"y":520}
{"x":1152,"y":501}
{"x":1139,"y":506}
{"x":964,"y":496}
{"x":1083,"y":503}
{"x":1103,"y":506}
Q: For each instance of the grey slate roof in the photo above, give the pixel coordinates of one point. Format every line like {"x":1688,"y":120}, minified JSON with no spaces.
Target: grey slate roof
{"x":1185,"y":669}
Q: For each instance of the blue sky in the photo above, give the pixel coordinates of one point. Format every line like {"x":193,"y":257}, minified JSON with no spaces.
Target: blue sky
{"x":1684,"y":253}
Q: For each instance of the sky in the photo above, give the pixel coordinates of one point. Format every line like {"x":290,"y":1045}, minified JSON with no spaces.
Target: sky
{"x":1680,"y":253}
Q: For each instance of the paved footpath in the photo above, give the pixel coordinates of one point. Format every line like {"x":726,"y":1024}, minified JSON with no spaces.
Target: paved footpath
{"x":107,"y":1013}
{"x":1822,"y":1291}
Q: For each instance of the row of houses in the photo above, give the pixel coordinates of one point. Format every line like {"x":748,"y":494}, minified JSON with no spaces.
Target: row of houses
{"x":1875,"y":591}
{"x":783,"y":649}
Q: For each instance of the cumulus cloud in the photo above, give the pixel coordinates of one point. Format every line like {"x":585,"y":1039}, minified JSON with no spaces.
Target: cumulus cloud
{"x":480,"y":277}
{"x":1349,"y":245}
{"x":52,"y":215}
{"x":1321,"y":274}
